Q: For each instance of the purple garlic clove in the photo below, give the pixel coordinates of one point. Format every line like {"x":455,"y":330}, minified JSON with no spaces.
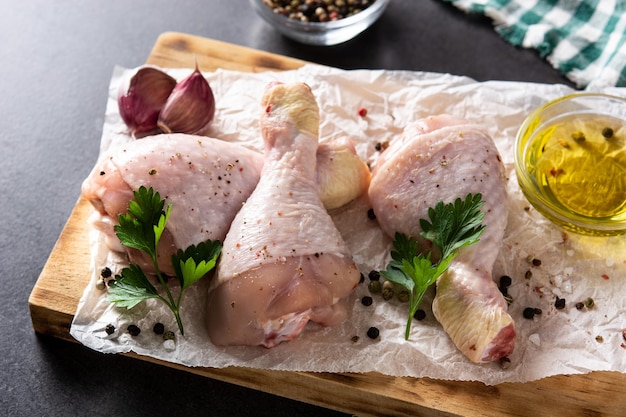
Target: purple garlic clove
{"x":142,"y":97}
{"x":190,"y":107}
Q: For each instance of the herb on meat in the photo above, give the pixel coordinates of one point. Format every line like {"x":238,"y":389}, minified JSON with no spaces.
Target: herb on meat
{"x":141,"y":228}
{"x":452,"y":226}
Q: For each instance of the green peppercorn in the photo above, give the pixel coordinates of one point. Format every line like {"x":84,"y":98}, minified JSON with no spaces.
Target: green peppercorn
{"x":403,"y":296}
{"x":589,"y":303}
{"x":169,"y":335}
{"x":387,"y":293}
{"x":375,"y":287}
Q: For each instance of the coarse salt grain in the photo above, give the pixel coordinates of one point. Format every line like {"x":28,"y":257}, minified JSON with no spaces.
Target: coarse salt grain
{"x":558,"y":280}
{"x":535,"y":339}
{"x":169,"y":345}
{"x":567,"y":287}
{"x":610,"y":262}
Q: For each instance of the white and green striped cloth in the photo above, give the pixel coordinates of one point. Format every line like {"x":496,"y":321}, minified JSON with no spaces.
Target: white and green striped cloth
{"x":584,"y":39}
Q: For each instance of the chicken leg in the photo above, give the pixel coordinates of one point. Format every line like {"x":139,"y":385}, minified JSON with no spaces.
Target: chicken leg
{"x":283,"y":261}
{"x":444,"y":158}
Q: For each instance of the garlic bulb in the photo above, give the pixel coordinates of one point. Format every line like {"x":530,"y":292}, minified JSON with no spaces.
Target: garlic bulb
{"x":141,"y":98}
{"x":190,"y":107}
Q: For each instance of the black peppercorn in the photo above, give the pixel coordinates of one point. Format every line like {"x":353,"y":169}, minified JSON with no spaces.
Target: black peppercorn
{"x":373,"y":332}
{"x":158,"y":328}
{"x":505,"y":281}
{"x":374,"y":275}
{"x":106,"y":272}
{"x":607,"y":132}
{"x":529,"y":313}
{"x":134,"y":330}
{"x":366,"y":301}
{"x":419,"y":315}
{"x":370,"y":214}
{"x":559,"y":304}
{"x":109,"y":329}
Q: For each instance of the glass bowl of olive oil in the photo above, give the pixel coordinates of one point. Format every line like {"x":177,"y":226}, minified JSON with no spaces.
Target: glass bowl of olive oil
{"x":570,"y":162}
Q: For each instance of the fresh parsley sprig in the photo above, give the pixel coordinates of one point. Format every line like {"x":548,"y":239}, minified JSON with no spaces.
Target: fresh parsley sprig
{"x":451,"y":227}
{"x":141,"y":228}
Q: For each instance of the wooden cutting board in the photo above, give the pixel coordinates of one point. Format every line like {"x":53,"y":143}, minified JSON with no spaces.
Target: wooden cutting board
{"x":55,"y":296}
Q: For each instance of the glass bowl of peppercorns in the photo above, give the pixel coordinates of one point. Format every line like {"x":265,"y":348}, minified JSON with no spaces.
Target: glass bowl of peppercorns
{"x":320,"y":22}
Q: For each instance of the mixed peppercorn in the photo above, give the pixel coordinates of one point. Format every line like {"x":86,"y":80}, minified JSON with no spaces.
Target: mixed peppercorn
{"x":318,"y":10}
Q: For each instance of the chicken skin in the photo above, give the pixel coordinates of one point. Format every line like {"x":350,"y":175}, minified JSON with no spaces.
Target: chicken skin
{"x":444,"y":158}
{"x":207,"y":180}
{"x":283,"y":263}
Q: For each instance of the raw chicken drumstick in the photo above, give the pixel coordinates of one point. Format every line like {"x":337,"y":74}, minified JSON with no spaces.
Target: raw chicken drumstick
{"x":206,"y":180}
{"x":283,"y":261}
{"x":443,"y":158}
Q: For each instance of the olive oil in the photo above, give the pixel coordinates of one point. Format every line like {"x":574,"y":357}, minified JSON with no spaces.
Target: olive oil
{"x":578,"y":162}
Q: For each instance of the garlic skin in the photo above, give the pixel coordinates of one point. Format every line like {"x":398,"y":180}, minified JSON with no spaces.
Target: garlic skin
{"x":190,"y":107}
{"x":141,"y":98}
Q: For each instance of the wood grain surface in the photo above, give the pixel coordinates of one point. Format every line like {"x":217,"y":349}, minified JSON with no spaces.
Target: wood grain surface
{"x":55,"y":296}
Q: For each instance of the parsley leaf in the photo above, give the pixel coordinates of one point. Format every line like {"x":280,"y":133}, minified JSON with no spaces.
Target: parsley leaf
{"x":132,"y":289}
{"x":451,"y":227}
{"x":141,"y":228}
{"x":195,"y":262}
{"x":455,"y":225}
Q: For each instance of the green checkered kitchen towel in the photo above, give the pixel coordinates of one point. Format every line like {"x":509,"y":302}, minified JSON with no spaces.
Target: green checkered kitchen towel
{"x":584,"y":39}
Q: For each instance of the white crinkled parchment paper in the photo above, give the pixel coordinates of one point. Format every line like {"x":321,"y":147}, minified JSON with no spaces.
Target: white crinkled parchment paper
{"x":567,"y":341}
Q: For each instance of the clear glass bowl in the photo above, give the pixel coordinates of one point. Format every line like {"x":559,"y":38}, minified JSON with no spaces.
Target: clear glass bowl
{"x":570,"y":161}
{"x":322,"y":33}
